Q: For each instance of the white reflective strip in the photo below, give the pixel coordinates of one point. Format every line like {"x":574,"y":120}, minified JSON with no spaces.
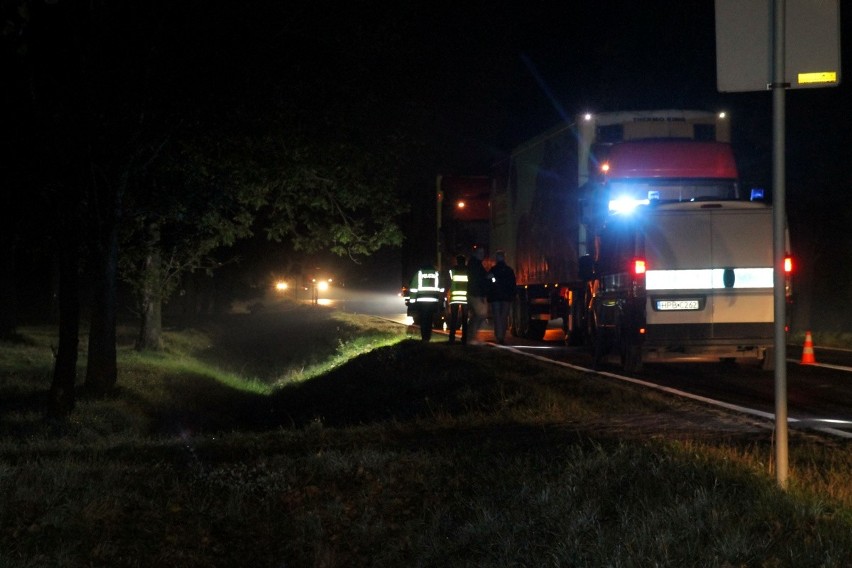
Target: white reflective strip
{"x":678,"y":279}
{"x":427,"y":299}
{"x":459,"y":277}
{"x":707,"y":279}
{"x":427,"y":276}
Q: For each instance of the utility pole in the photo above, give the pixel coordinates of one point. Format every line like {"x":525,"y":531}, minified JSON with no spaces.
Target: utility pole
{"x":779,"y":217}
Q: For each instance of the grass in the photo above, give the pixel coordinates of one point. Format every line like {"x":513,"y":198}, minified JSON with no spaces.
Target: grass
{"x":312,"y":438}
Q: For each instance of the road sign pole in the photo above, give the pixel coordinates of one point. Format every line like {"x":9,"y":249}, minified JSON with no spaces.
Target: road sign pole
{"x":807,"y":46}
{"x":779,"y":241}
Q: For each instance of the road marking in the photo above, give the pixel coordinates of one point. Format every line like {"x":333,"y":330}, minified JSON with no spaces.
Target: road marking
{"x":826,"y":365}
{"x":711,"y":401}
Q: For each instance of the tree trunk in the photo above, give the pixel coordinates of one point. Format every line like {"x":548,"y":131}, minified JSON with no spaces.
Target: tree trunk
{"x":102,"y":367}
{"x":151,"y":330}
{"x":62,"y":396}
{"x":8,"y":294}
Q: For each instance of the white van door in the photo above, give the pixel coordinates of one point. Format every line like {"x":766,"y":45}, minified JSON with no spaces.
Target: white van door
{"x":709,"y":273}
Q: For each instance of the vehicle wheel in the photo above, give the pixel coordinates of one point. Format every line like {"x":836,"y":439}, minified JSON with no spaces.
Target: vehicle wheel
{"x":536,"y":330}
{"x":519,"y":325}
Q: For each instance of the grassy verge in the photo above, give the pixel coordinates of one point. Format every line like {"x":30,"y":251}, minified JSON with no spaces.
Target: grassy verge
{"x":309,"y":438}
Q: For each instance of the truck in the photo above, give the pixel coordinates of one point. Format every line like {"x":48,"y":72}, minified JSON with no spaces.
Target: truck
{"x":629,"y":231}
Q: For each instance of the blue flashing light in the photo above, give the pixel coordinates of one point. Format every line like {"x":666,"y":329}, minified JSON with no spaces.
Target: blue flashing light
{"x":757,"y":194}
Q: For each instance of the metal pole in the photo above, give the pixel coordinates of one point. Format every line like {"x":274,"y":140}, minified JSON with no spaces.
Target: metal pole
{"x":779,"y":242}
{"x":439,"y":201}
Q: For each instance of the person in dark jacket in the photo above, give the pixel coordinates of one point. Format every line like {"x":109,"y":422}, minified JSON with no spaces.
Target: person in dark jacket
{"x":477,"y":293}
{"x":501,"y":293}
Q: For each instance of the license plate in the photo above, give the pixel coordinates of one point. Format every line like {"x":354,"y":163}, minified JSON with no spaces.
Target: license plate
{"x":674,"y":305}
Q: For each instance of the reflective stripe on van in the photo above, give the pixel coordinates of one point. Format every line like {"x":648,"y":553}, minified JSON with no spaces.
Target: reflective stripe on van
{"x":709,"y":279}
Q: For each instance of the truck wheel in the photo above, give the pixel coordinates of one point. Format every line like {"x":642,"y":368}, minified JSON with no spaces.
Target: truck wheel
{"x":520,"y":318}
{"x":536,"y":330}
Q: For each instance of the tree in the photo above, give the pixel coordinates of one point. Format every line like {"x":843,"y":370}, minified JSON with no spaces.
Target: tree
{"x":192,"y":206}
{"x":144,"y":139}
{"x":203,"y":197}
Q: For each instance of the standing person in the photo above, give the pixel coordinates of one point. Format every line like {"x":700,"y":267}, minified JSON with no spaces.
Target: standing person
{"x":425,"y":298}
{"x":458,"y":299}
{"x":501,"y":293}
{"x":477,"y":293}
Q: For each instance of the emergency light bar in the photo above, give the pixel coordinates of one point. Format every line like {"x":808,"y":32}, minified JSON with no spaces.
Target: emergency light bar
{"x":757,"y":194}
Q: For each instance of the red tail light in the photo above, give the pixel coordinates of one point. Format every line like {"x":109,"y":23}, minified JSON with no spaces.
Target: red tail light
{"x":788,"y":279}
{"x":639,"y":267}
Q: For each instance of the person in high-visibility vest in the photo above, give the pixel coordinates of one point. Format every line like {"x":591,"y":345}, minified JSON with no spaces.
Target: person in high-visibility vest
{"x":426,"y":298}
{"x":458,"y":299}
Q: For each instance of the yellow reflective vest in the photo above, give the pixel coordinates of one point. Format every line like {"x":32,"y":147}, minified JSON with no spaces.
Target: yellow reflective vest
{"x":458,"y":285}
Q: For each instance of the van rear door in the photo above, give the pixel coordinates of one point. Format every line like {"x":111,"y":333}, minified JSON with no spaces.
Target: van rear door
{"x":709,"y":277}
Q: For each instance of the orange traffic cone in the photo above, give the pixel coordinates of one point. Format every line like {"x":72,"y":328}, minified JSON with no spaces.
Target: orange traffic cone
{"x":808,"y":352}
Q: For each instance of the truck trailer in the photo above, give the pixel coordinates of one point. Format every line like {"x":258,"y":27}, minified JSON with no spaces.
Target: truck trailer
{"x":579,"y":209}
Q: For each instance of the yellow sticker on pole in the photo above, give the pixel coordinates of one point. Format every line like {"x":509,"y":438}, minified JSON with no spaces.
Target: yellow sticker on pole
{"x":819,"y":77}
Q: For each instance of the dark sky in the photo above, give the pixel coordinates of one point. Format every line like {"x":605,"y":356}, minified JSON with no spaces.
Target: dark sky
{"x":464,"y":81}
{"x":474,"y":79}
{"x":471,"y":78}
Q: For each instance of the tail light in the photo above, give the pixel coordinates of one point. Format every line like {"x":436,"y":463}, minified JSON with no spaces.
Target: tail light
{"x":637,"y":270}
{"x":788,"y":281}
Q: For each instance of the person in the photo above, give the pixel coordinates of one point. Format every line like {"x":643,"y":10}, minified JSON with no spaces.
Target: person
{"x":501,"y":293}
{"x":458,"y":299}
{"x":425,"y":298}
{"x":477,"y":293}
